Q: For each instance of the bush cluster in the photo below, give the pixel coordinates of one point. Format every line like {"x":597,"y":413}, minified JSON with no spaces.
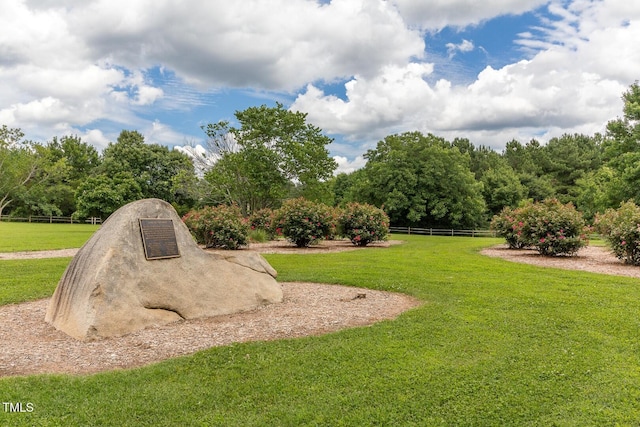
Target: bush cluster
{"x":303,"y":222}
{"x":621,"y":229}
{"x":363,"y":223}
{"x":551,"y":227}
{"x":300,"y":221}
{"x":555,"y":228}
{"x":218,"y":227}
{"x":261,"y":222}
{"x":509,"y":225}
{"x":261,"y":219}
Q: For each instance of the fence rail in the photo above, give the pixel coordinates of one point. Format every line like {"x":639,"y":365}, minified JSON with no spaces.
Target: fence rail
{"x":442,"y":232}
{"x":50,"y":219}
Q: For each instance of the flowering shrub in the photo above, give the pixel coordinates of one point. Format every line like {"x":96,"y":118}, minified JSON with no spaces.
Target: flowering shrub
{"x":554,"y":228}
{"x":303,"y":222}
{"x":334,"y":226}
{"x":363,"y":223}
{"x":218,"y":227}
{"x":549,"y":226}
{"x":621,"y":229}
{"x":192,"y":220}
{"x":262,"y":220}
{"x":509,"y":224}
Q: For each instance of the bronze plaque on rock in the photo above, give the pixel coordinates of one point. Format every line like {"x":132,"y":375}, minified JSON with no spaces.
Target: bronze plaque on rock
{"x":159,"y":238}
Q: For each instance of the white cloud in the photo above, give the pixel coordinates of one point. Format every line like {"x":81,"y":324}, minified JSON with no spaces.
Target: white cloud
{"x":161,"y":133}
{"x":572,"y":84}
{"x":68,"y":65}
{"x":436,"y":14}
{"x":347,"y":166}
{"x":79,"y":62}
{"x":274,"y":44}
{"x":464,"y":46}
{"x":96,"y":138}
{"x":74,"y":85}
{"x":36,"y":36}
{"x":148,"y":95}
{"x":373,"y":106}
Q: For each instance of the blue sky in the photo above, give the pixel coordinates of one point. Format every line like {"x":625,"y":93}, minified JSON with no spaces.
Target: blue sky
{"x":361,"y":69}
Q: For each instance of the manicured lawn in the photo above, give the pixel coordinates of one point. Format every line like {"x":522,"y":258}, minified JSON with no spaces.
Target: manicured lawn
{"x":25,"y":280}
{"x":18,"y":236}
{"x":495,"y":343}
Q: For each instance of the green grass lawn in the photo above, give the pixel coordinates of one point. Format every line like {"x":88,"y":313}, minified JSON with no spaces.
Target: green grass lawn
{"x":25,"y":280}
{"x":17,"y":236}
{"x":495,"y":343}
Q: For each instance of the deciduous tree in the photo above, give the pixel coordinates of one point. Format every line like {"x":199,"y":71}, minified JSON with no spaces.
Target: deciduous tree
{"x":101,"y":195}
{"x":18,"y":164}
{"x":154,"y":167}
{"x":258,"y":163}
{"x":64,"y":164}
{"x":501,"y":187}
{"x":423,"y":180}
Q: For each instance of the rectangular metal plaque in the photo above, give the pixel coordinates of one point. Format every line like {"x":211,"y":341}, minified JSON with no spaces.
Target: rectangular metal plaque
{"x":159,"y":238}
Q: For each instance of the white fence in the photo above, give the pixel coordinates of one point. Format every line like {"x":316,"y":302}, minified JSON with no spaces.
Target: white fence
{"x":50,"y":219}
{"x":442,"y":232}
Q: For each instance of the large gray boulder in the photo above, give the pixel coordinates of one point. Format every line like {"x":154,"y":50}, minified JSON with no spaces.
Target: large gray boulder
{"x":112,"y":288}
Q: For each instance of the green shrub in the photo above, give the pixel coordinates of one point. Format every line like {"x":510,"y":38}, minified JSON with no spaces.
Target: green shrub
{"x":262,"y":220}
{"x":364,"y":223}
{"x":303,"y":222}
{"x":218,"y":227}
{"x":335,"y":230}
{"x":554,"y":228}
{"x":259,"y":235}
{"x":621,"y":229}
{"x":192,"y":220}
{"x":549,"y":226}
{"x":509,"y":225}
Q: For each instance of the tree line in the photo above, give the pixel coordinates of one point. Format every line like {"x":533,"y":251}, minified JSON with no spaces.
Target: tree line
{"x":273,"y":155}
{"x":425,"y":180}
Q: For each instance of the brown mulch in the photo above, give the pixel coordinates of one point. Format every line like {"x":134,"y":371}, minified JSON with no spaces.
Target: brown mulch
{"x":322,"y":247}
{"x":594,"y":259}
{"x":32,"y":346}
{"x":272,"y":247}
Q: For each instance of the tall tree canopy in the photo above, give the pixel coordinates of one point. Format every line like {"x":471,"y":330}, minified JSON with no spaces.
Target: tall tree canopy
{"x":272,"y":154}
{"x":131,"y":170}
{"x":18,"y":164}
{"x":423,"y":180}
{"x":101,"y":195}
{"x":569,"y":158}
{"x":64,"y":164}
{"x":258,"y":163}
{"x":622,"y":147}
{"x":154,"y":167}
